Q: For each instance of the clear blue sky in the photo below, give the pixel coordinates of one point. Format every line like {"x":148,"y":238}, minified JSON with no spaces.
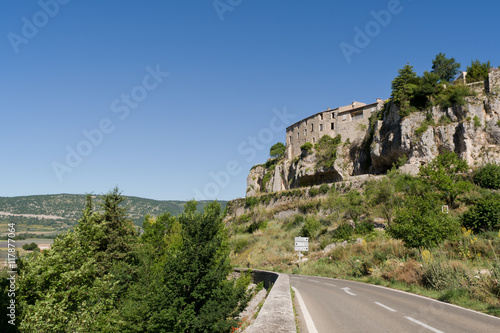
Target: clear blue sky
{"x":71,"y":66}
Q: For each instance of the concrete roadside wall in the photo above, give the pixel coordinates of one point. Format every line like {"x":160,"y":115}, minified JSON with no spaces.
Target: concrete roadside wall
{"x":276,"y":315}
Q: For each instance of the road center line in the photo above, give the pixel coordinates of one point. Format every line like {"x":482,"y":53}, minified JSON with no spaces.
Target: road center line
{"x":329,"y":284}
{"x":314,"y":281}
{"x":424,"y":325}
{"x":307,"y":317}
{"x":385,"y":307}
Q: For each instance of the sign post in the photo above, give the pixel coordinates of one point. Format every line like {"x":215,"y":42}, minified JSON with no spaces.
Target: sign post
{"x":301,"y":244}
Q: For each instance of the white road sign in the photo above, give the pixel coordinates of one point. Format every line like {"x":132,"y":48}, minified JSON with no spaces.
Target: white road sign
{"x":301,"y":243}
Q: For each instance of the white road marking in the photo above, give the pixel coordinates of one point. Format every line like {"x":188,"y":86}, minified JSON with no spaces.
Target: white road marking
{"x":314,"y":281}
{"x":329,"y":284}
{"x":346,"y":289}
{"x":385,"y":307}
{"x":307,"y":317}
{"x":424,"y":325}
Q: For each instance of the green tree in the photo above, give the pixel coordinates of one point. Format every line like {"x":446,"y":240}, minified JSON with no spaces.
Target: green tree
{"x":478,"y":71}
{"x":404,"y":87}
{"x":354,"y":205}
{"x":76,"y":285}
{"x":445,"y":68}
{"x":428,"y":87}
{"x":445,"y":173}
{"x":31,"y":247}
{"x":420,"y":222}
{"x":186,"y":287}
{"x":484,"y":215}
{"x":277,"y":150}
{"x":381,"y":195}
{"x":488,"y":176}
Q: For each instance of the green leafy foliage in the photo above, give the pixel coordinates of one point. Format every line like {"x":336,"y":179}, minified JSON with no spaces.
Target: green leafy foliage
{"x":412,"y":93}
{"x":31,"y":247}
{"x":311,"y":227}
{"x":403,"y":88}
{"x":354,"y":205}
{"x":364,"y":228}
{"x":277,"y":150}
{"x":420,"y":222}
{"x":445,"y":68}
{"x":382,"y":197}
{"x":307,"y":147}
{"x":103,"y":277}
{"x":445,"y":174}
{"x":488,"y":176}
{"x":478,"y":71}
{"x":484,"y":215}
{"x":477,"y":122}
{"x":326,"y":151}
{"x":343,"y":232}
{"x":453,"y":95}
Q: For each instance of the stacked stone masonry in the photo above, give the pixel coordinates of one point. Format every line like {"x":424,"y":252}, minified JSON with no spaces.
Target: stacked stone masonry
{"x":349,"y":121}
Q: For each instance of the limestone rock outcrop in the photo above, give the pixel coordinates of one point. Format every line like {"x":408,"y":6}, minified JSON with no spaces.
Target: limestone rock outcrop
{"x":472,"y":131}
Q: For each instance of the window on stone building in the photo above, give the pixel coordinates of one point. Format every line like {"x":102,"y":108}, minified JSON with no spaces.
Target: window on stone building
{"x":333,"y":115}
{"x":312,"y":127}
{"x":321,"y":116}
{"x":298,"y":133}
{"x":290,"y":139}
{"x":333,"y":126}
{"x":305,"y":131}
{"x":357,"y":115}
{"x":320,"y":127}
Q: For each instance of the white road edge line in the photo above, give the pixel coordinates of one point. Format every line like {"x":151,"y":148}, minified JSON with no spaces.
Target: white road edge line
{"x":424,"y":297}
{"x":385,"y":307}
{"x":424,"y":325}
{"x":307,"y":317}
{"x":329,"y":284}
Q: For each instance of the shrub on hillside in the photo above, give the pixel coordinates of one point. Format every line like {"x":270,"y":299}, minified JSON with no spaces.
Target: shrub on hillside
{"x":323,"y":189}
{"x":311,"y":228}
{"x":488,"y":176}
{"x":484,"y":215}
{"x":365,"y":227}
{"x":420,"y":222}
{"x":295,"y":222}
{"x":327,"y":151}
{"x":307,"y":147}
{"x":343,"y":232}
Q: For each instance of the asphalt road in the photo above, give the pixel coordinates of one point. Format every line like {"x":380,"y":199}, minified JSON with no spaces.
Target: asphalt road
{"x":347,"y":306}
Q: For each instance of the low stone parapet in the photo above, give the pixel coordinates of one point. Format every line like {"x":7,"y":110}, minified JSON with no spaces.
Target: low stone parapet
{"x":276,"y":315}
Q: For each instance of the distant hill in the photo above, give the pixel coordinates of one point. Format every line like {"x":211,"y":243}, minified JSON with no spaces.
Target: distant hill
{"x":62,"y":211}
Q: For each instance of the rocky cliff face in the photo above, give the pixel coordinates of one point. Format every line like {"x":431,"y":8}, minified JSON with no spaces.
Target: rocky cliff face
{"x":472,"y":131}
